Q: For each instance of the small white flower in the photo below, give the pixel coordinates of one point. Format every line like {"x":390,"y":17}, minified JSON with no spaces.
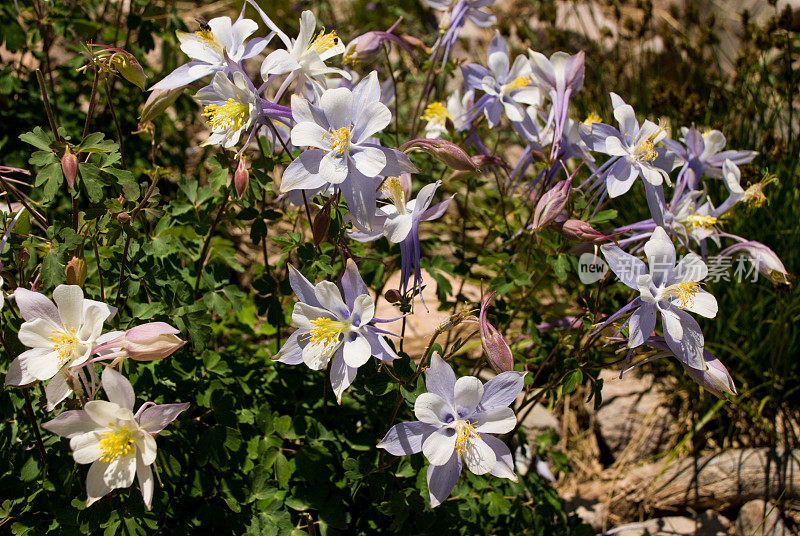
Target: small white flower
{"x":61,"y":336}
{"x":230,"y":108}
{"x":456,"y":110}
{"x":118,"y":444}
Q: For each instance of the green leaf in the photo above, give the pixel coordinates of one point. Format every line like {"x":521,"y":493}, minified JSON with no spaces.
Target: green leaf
{"x":38,"y":138}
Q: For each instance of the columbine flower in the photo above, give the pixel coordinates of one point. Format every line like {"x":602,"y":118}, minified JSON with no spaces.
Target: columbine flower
{"x":456,"y":111}
{"x":494,"y":345}
{"x":211,"y":47}
{"x":306,"y":55}
{"x":763,"y":258}
{"x":455,"y":420}
{"x":118,"y":443}
{"x":702,"y":153}
{"x":230,"y":108}
{"x":561,"y":76}
{"x":342,"y":152}
{"x":399,"y":222}
{"x":333,"y":329}
{"x":61,"y":336}
{"x":668,"y":289}
{"x":505,"y":88}
{"x":636,"y":147}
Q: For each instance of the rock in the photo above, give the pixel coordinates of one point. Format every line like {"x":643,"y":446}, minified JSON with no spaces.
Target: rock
{"x":633,"y":420}
{"x":539,"y":420}
{"x":760,"y":518}
{"x":708,"y":524}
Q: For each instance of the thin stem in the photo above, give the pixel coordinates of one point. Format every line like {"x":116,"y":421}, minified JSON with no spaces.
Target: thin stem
{"x":50,"y":118}
{"x":92,"y":100}
{"x":122,"y":269}
{"x":207,"y":241}
{"x":116,"y":123}
{"x":34,"y":424}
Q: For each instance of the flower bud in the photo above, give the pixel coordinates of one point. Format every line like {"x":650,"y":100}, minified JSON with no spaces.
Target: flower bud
{"x":551,"y":204}
{"x":445,"y":151}
{"x":393,"y":295}
{"x":580,"y":231}
{"x":497,"y":351}
{"x":75,"y":271}
{"x":714,"y":376}
{"x":241,"y":178}
{"x":128,"y":67}
{"x":765,"y":260}
{"x":364,"y":48}
{"x":123,"y":217}
{"x":147,"y":342}
{"x":322,"y":223}
{"x":158,"y":101}
{"x":69,"y":167}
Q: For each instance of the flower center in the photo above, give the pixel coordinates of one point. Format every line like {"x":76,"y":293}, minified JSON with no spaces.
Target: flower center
{"x":322,"y":42}
{"x":64,"y":343}
{"x":517,"y":83}
{"x":324,"y":337}
{"x":465,"y":433}
{"x":116,"y":443}
{"x":392,"y":189}
{"x":206,"y":37}
{"x":645,"y":151}
{"x":231,"y":115}
{"x":697,"y":221}
{"x":339,"y":139}
{"x":685,"y":293}
{"x":592,"y":118}
{"x":437,"y":114}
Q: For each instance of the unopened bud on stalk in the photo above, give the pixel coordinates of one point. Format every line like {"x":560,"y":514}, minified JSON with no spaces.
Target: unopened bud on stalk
{"x":393,"y":295}
{"x":148,"y":342}
{"x":580,"y":231}
{"x":75,"y":271}
{"x":364,"y":48}
{"x":322,"y":223}
{"x":123,"y":217}
{"x":765,"y":260}
{"x":713,"y":376}
{"x":241,"y":178}
{"x":158,"y":101}
{"x":445,"y":151}
{"x":497,"y":351}
{"x":69,"y":167}
{"x":551,"y":204}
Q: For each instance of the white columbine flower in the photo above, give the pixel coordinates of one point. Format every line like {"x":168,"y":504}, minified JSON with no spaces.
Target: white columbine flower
{"x":118,"y":443}
{"x":456,"y":110}
{"x":306,"y":55}
{"x":230,"y":108}
{"x":210,"y":49}
{"x":61,"y":336}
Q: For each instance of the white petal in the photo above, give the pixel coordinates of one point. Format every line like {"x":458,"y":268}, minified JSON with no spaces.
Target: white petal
{"x":103,"y":412}
{"x":702,"y":303}
{"x":308,"y":134}
{"x":146,"y":483}
{"x":438,"y":448}
{"x":36,"y":333}
{"x":495,"y":421}
{"x":357,"y":350}
{"x":369,"y":160}
{"x":118,"y":389}
{"x":86,"y":447}
{"x":333,"y":169}
{"x":69,"y":300}
{"x":96,"y":486}
{"x":468,"y":394}
{"x":479,"y":457}
{"x":57,"y":389}
{"x":430,"y":408}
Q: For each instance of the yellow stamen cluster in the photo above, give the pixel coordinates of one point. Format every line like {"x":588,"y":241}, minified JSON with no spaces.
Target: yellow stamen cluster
{"x":685,"y":293}
{"x":754,"y":195}
{"x":392,"y":189}
{"x":116,"y":443}
{"x":229,"y":116}
{"x":592,"y":118}
{"x":436,"y":113}
{"x":64,"y":343}
{"x":517,"y":83}
{"x":325,"y":333}
{"x":465,"y":434}
{"x":697,"y":221}
{"x":645,"y":151}
{"x":209,"y":40}
{"x":340,"y":140}
{"x":323,"y":41}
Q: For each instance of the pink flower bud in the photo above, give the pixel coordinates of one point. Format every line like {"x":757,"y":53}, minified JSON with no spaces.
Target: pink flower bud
{"x":497,"y":351}
{"x":714,"y":376}
{"x":241,"y":178}
{"x":364,"y":48}
{"x":551,"y":204}
{"x":69,"y":166}
{"x":765,"y":260}
{"x":75,"y":271}
{"x":147,"y":342}
{"x":445,"y":151}
{"x":580,"y":231}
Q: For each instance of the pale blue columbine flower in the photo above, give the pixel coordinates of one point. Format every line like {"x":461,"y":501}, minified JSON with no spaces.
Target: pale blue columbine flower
{"x":634,"y":149}
{"x":214,"y":48}
{"x":452,"y":22}
{"x":305,"y":56}
{"x":455,"y":420}
{"x":667,"y":289}
{"x":560,"y":77}
{"x":506,"y":87}
{"x":341,"y":152}
{"x":334,"y":326}
{"x":703,"y":153}
{"x":399,"y":223}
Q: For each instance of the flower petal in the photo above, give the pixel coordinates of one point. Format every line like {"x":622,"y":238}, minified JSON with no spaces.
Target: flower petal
{"x":438,"y":448}
{"x":69,"y":300}
{"x":33,"y":305}
{"x":494,"y":421}
{"x":431,"y":408}
{"x":156,"y":418}
{"x":357,"y":350}
{"x":442,"y":479}
{"x":479,"y":457}
{"x":502,"y":390}
{"x":641,"y":324}
{"x":118,"y":389}
{"x":504,"y":468}
{"x":440,"y":379}
{"x":406,"y":438}
{"x":468,"y":394}
{"x":70,"y":424}
{"x":144,"y":474}
{"x":341,"y":376}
